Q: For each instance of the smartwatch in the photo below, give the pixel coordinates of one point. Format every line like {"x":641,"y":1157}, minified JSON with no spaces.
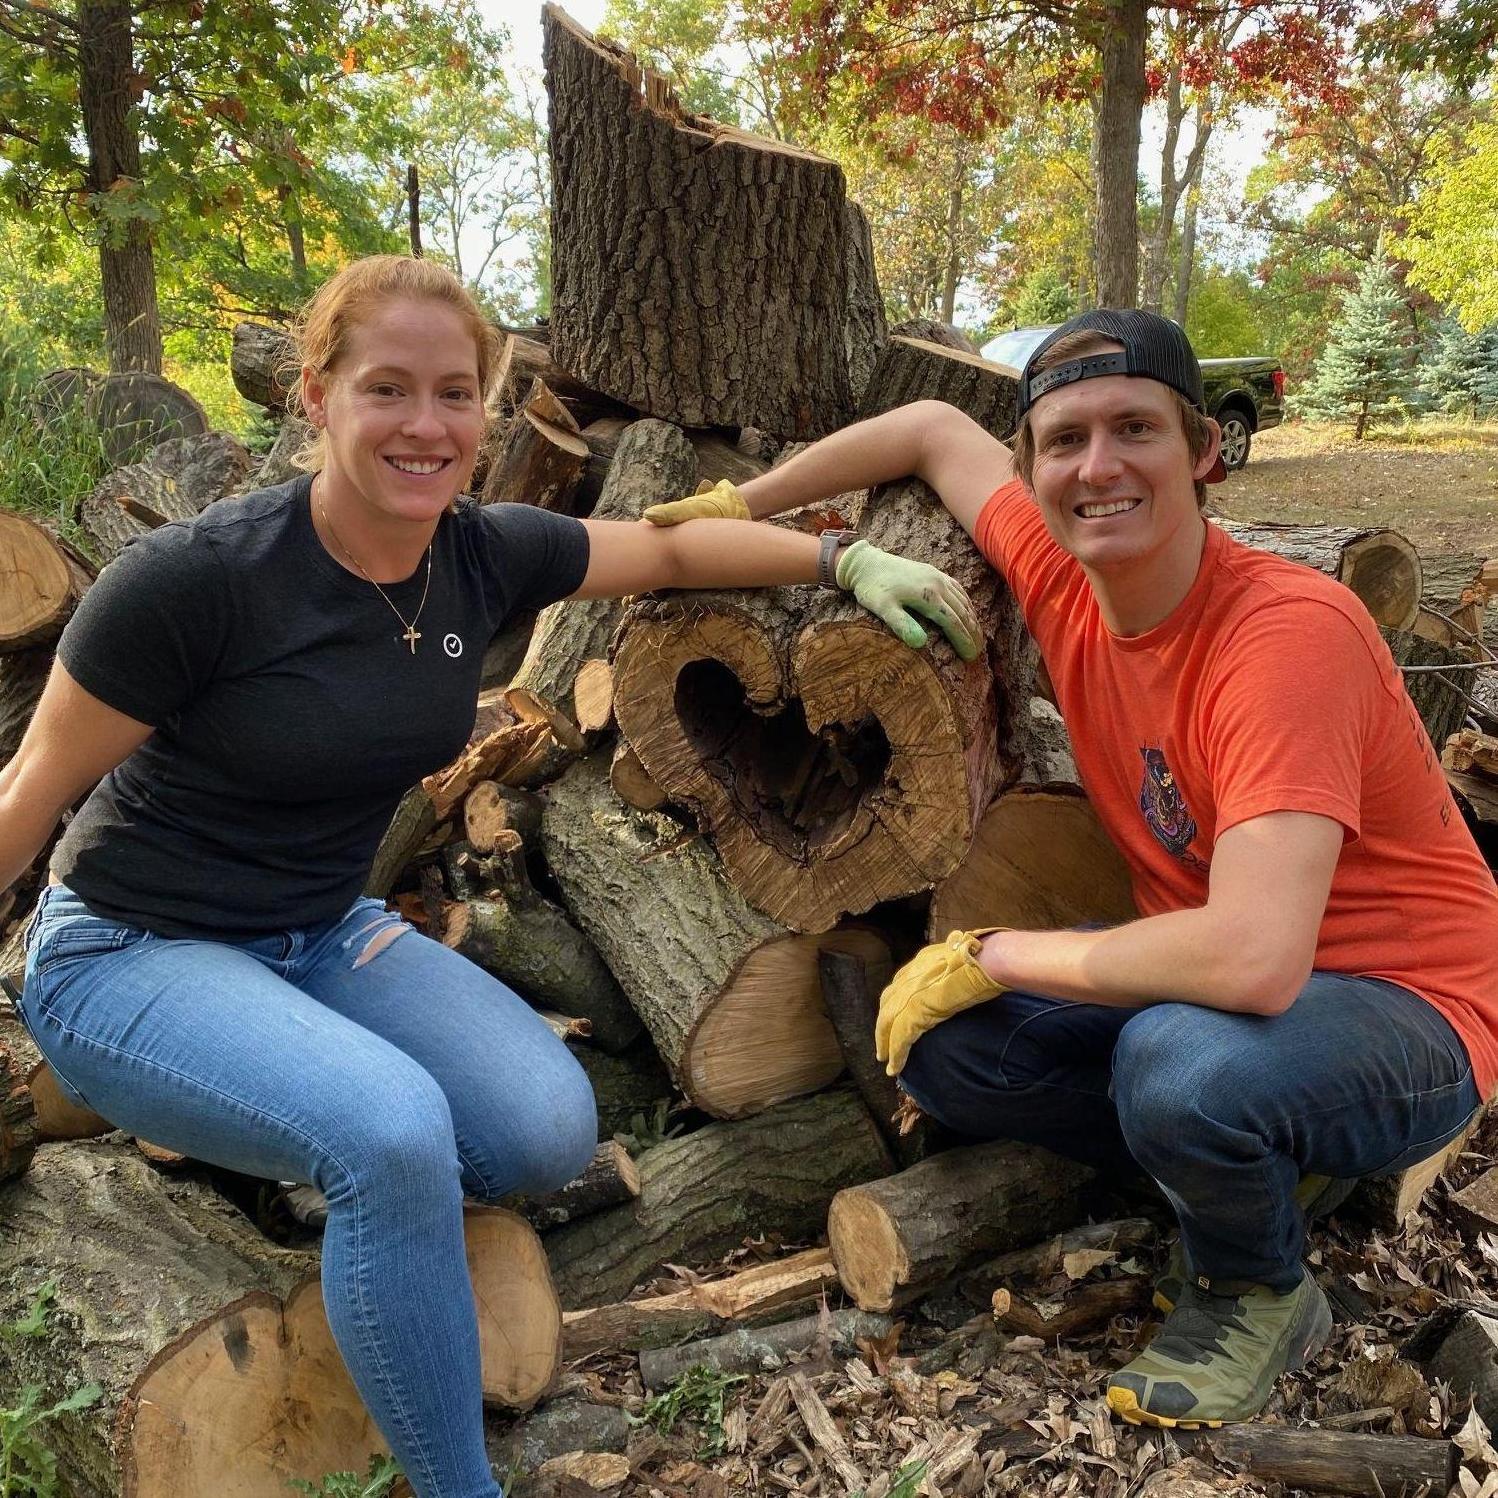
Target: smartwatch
{"x":833,"y":543}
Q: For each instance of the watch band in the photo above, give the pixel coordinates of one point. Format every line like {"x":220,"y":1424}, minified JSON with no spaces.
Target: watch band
{"x":827,"y":555}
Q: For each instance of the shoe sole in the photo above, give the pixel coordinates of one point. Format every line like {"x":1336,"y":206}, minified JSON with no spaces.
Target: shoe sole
{"x":1125,"y":1403}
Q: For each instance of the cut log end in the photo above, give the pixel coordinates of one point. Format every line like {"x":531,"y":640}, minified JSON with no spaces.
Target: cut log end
{"x":38,"y":591}
{"x":870,"y":1259}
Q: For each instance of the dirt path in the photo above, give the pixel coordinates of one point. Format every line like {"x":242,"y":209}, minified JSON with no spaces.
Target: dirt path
{"x":1438,"y":485}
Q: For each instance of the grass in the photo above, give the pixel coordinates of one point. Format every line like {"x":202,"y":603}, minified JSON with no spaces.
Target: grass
{"x":698,"y":1396}
{"x":383,"y":1474}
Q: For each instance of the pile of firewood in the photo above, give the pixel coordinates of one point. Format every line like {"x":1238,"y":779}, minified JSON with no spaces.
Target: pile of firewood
{"x":698,"y":830}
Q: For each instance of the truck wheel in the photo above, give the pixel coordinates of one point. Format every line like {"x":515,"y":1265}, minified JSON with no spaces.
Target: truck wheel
{"x":1236,"y":439}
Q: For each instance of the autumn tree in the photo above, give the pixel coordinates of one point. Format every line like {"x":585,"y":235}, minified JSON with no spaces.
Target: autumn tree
{"x":139,"y":123}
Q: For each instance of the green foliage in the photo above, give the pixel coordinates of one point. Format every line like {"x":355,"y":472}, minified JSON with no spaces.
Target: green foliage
{"x":28,"y":1467}
{"x":1459,"y":374}
{"x":906,"y":1483}
{"x":645,"y":1132}
{"x":382,"y":1475}
{"x":1043,"y":297}
{"x":698,"y":1396}
{"x":1363,"y":371}
{"x":1450,"y":244}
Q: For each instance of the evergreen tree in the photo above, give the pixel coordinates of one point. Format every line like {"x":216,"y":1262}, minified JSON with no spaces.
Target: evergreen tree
{"x":1363,"y":370}
{"x":1460,"y":374}
{"x":1043,"y":298}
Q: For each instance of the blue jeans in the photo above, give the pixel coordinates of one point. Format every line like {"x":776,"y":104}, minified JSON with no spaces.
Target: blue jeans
{"x":1225,"y":1111}
{"x":357,"y":1056}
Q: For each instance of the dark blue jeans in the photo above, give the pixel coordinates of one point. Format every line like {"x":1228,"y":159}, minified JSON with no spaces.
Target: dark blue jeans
{"x":1225,"y":1111}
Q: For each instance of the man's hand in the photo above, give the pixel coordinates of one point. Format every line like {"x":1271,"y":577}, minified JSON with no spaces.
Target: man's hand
{"x":720,"y":501}
{"x":939,"y":981}
{"x":896,"y":589}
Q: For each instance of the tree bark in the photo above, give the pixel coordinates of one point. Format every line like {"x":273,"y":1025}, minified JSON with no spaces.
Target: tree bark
{"x":1125,"y":27}
{"x":730,"y":997}
{"x":23,"y":674}
{"x":748,"y":1349}
{"x":834,"y":766}
{"x":222,"y":1363}
{"x":106,"y":69}
{"x":1332,"y":1461}
{"x":752,"y":334}
{"x":702,"y":1194}
{"x":413,"y":208}
{"x":260,"y":361}
{"x":541,"y":459}
{"x":912,"y":369}
{"x":866,"y":329}
{"x":610,"y":1179}
{"x":1186,"y":259}
{"x":895,"y":1238}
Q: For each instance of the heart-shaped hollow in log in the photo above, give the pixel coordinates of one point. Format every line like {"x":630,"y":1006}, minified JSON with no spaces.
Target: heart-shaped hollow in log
{"x":833,"y":765}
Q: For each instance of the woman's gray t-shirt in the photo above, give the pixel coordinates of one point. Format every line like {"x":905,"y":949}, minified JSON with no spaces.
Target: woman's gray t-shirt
{"x":290,"y":714}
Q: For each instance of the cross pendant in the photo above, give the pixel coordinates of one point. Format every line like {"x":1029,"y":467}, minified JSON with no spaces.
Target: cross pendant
{"x":411,"y":636}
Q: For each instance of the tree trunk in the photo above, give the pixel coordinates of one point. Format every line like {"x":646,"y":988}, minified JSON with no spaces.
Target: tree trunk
{"x":1125,"y":25}
{"x":413,"y":208}
{"x":106,"y":70}
{"x":1379,"y":565}
{"x":731,"y":999}
{"x":865,"y":328}
{"x":1186,"y":260}
{"x":228,"y":1364}
{"x":752,"y":333}
{"x":834,"y":766}
{"x":895,"y":1238}
{"x":296,"y":240}
{"x":954,"y":256}
{"x":702,"y":1194}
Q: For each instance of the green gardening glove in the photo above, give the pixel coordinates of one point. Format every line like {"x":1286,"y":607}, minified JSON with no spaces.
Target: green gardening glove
{"x":897,"y":589}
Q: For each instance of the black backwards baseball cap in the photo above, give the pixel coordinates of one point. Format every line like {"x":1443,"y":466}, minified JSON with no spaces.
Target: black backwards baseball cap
{"x":1154,"y":348}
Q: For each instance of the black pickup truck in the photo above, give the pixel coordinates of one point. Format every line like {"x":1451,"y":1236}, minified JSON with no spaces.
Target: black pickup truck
{"x":1245,"y":395}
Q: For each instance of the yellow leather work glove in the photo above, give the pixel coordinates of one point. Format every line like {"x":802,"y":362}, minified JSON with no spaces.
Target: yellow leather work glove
{"x":720,"y":501}
{"x":939,"y":981}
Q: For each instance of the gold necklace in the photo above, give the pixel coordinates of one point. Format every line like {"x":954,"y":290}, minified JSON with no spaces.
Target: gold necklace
{"x":412,"y":634}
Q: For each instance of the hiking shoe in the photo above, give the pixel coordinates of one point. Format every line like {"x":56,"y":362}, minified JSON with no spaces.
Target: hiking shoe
{"x":1216,"y":1357}
{"x":1319,"y":1196}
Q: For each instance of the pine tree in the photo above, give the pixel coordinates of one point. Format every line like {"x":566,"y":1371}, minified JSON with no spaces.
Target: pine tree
{"x":1460,"y":376}
{"x":1363,"y":369}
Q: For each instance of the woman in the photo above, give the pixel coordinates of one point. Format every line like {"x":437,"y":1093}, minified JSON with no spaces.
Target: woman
{"x":253,"y":691}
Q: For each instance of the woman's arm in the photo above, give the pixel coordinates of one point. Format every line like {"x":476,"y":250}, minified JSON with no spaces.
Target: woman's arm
{"x":72,"y":741}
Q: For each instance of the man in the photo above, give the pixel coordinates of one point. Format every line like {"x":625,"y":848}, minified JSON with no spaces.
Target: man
{"x":1310,"y":993}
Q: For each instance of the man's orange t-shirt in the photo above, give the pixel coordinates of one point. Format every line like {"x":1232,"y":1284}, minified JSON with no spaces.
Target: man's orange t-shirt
{"x":1269,"y":688}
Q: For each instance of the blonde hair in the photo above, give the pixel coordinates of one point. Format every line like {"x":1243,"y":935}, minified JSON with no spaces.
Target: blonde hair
{"x":321,"y":331}
{"x":1092,"y":341}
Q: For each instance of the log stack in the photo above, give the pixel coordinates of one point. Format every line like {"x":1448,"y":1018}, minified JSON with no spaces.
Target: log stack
{"x":676,"y":817}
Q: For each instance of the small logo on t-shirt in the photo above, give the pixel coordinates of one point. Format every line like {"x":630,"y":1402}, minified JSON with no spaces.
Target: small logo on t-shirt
{"x":452,"y":645}
{"x":1168,"y":816}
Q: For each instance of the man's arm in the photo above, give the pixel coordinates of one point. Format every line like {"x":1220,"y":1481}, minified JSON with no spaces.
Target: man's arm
{"x":929,"y":440}
{"x":1250,"y":948}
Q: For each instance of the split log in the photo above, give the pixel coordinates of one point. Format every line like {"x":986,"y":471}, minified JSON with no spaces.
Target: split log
{"x":610,"y":1178}
{"x":1479,"y":794}
{"x":593,"y":697}
{"x":1439,"y":697}
{"x":1460,"y":1347}
{"x":41,"y":581}
{"x":1379,"y":565}
{"x":702,"y":1194}
{"x":762,"y":1293}
{"x":930,"y":330}
{"x":213,"y":1376}
{"x":717,"y":458}
{"x":834,"y":766}
{"x":23,"y":674}
{"x":750,"y":335}
{"x":653,"y":462}
{"x":174,"y":481}
{"x":850,"y":994}
{"x":1476,"y":1205}
{"x":524,"y":360}
{"x":731,"y":999}
{"x":491,"y":808}
{"x":525,"y":940}
{"x":1330,"y":1461}
{"x":1081,"y":1310}
{"x":866,"y":328}
{"x":262,"y":363}
{"x":631,"y":781}
{"x":135,"y":411}
{"x":1453,"y":600}
{"x":896,"y":1238}
{"x":1469,"y":750}
{"x":749,"y":1350}
{"x":541,"y":459}
{"x":913,"y":369}
{"x":626,"y":1087}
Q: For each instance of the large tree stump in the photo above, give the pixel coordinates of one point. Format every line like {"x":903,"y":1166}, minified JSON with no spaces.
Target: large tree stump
{"x":653,"y":462}
{"x":701,"y":1194}
{"x":41,"y":581}
{"x":135,"y":410}
{"x":1379,"y":565}
{"x":751,"y":334}
{"x":731,"y":999}
{"x":834,"y":766}
{"x":895,"y":1238}
{"x":913,"y":369}
{"x":1440,"y":697}
{"x":209,"y":1341}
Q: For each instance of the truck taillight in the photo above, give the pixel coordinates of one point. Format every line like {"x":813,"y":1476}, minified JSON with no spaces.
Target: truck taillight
{"x":1279,"y":384}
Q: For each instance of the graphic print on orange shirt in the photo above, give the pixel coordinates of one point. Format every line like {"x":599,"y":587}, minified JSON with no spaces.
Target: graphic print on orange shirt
{"x":1165,"y":812}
